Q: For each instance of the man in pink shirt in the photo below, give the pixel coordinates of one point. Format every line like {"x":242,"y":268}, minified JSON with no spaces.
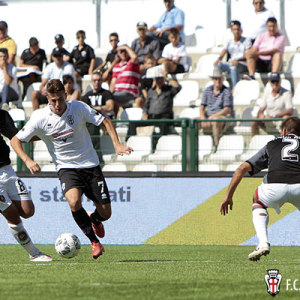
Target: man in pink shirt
{"x":266,"y":54}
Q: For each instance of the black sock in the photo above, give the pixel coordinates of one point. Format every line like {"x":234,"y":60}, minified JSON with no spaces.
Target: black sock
{"x":96,"y":217}
{"x":83,"y":221}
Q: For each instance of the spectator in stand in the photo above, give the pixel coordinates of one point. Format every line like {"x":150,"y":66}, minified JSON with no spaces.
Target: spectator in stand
{"x":266,"y":55}
{"x":145,"y":44}
{"x":217,"y":103}
{"x":72,"y":93}
{"x":235,"y":48}
{"x":83,"y":55}
{"x":158,"y":105}
{"x":111,"y":59}
{"x":8,"y":43}
{"x":8,"y":80}
{"x":256,"y":20}
{"x":276,"y":103}
{"x":34,"y":58}
{"x":174,"y":56}
{"x":173,"y":17}
{"x":99,"y":98}
{"x":59,"y":41}
{"x":125,"y":78}
{"x":55,"y":70}
{"x":145,"y":83}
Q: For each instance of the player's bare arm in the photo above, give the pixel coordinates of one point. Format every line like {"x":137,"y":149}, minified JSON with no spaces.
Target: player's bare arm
{"x":119,"y":148}
{"x":236,"y":179}
{"x":31,"y":165}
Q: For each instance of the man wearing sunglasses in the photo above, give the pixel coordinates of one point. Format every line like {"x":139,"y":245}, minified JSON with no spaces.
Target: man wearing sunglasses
{"x":276,"y":103}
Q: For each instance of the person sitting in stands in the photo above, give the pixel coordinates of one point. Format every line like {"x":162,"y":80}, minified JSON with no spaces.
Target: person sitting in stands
{"x":59,"y":41}
{"x":33,"y":57}
{"x":266,"y":55}
{"x":217,"y":103}
{"x":72,"y":93}
{"x":111,"y":59}
{"x":276,"y":103}
{"x":174,"y":56}
{"x":55,"y":70}
{"x":145,"y":44}
{"x":83,"y":56}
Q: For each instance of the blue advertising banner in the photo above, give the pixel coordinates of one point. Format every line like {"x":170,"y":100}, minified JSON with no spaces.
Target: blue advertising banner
{"x":141,"y":207}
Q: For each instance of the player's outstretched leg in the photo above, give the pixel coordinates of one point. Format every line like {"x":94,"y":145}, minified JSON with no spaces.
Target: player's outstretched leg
{"x":260,"y":222}
{"x":83,"y":221}
{"x":101,"y":213}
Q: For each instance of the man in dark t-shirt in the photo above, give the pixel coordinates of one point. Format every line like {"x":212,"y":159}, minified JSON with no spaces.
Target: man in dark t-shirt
{"x":102,"y":101}
{"x":280,"y":185}
{"x":33,"y":57}
{"x":15,"y":201}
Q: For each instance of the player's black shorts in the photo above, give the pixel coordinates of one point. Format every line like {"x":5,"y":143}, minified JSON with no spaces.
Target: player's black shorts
{"x":91,"y":180}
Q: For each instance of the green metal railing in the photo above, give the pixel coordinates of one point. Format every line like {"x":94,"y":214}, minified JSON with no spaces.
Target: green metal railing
{"x":189,"y":137}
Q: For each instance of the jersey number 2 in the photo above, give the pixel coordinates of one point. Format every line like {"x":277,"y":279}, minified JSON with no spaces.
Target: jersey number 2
{"x":286,"y":150}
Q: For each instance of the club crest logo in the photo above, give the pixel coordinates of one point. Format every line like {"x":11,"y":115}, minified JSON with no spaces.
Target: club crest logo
{"x":70,"y":119}
{"x":273,"y":279}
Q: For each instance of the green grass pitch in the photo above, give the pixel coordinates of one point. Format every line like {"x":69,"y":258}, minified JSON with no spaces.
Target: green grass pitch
{"x":147,"y":272}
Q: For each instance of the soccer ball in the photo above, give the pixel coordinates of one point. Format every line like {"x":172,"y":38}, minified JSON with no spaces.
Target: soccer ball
{"x":67,"y":245}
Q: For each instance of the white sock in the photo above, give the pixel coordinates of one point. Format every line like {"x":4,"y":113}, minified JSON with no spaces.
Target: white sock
{"x":260,"y":221}
{"x":22,"y":237}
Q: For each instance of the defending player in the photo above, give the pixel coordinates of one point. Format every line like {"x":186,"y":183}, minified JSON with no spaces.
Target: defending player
{"x":62,"y":126}
{"x":280,"y":185}
{"x":15,"y":201}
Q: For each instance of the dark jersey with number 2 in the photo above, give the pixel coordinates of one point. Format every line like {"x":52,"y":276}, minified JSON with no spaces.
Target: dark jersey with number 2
{"x":282,"y":158}
{"x":8,"y":129}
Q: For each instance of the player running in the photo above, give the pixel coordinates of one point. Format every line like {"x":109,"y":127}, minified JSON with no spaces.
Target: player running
{"x":15,"y":201}
{"x":280,"y":185}
{"x":62,"y":126}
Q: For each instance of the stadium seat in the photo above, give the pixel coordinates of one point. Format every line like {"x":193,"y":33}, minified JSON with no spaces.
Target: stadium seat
{"x":132,"y":113}
{"x":294,"y":65}
{"x":48,"y":168}
{"x":256,"y":143}
{"x":296,"y":98}
{"x":107,"y":148}
{"x":114,"y":168}
{"x":141,"y":145}
{"x":208,"y":168}
{"x":172,"y":168}
{"x":205,"y":144}
{"x":205,"y":39}
{"x":189,"y":92}
{"x":146,"y":167}
{"x":40,"y":152}
{"x":205,"y":66}
{"x":245,"y":127}
{"x":167,"y":148}
{"x":230,"y":146}
{"x":245,"y":91}
{"x":27,"y":100}
{"x":17,"y":114}
{"x":189,"y":113}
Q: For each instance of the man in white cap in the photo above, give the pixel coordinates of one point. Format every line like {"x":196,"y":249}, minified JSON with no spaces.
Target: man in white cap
{"x":217,"y":103}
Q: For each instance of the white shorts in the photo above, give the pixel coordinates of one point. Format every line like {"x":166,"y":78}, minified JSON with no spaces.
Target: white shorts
{"x":274,"y":195}
{"x":11,"y":188}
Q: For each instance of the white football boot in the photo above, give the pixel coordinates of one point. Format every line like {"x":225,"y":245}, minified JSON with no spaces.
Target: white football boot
{"x":40,"y":257}
{"x":260,"y":250}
